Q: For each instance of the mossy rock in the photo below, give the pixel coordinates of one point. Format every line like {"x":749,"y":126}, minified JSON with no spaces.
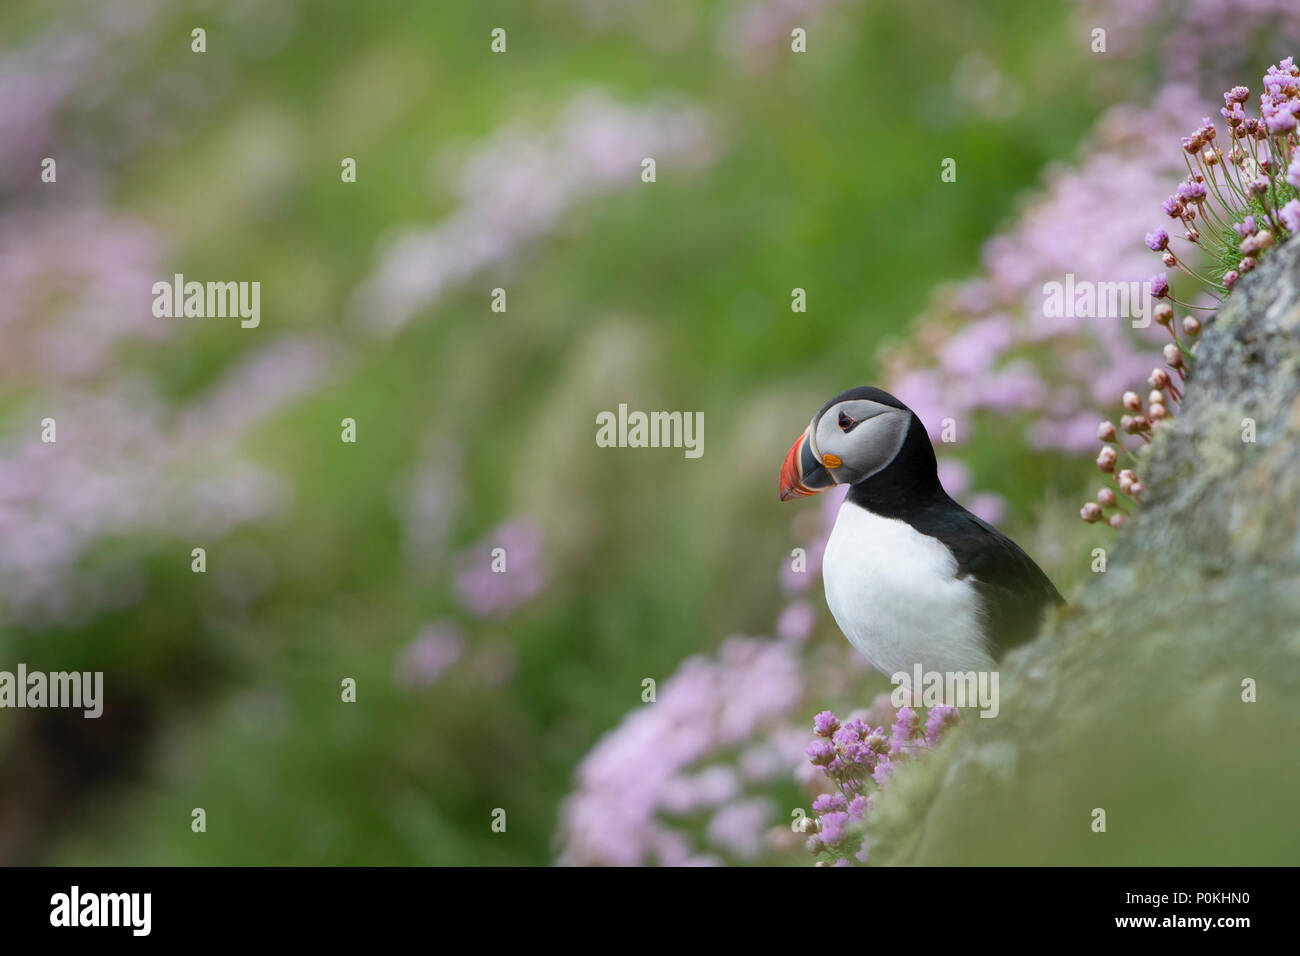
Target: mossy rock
{"x":1131,"y":701}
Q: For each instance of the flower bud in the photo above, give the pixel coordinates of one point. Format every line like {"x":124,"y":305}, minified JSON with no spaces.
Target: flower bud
{"x":1132,"y":401}
{"x":825,"y":724}
{"x":1116,"y":521}
{"x":1107,"y":458}
{"x":1107,"y":498}
{"x":1091,"y":512}
{"x":1106,"y":431}
{"x":820,"y":753}
{"x":1192,"y":326}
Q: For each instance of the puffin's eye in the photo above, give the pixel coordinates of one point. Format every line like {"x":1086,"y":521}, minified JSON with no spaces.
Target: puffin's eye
{"x":846,"y":423}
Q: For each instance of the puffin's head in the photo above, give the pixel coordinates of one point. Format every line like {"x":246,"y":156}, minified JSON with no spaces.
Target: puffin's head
{"x":855,"y":435}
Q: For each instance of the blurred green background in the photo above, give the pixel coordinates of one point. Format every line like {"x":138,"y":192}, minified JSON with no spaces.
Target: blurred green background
{"x":822,"y":172}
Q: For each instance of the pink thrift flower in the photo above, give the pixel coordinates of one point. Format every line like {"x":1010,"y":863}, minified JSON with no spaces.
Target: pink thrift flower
{"x":1290,"y":214}
{"x":796,"y":622}
{"x":833,"y":826}
{"x":989,"y":506}
{"x":939,"y":720}
{"x":426,"y":659}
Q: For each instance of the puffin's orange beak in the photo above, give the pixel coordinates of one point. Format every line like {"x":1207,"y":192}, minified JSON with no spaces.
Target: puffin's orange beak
{"x":792,"y":485}
{"x":801,"y":473}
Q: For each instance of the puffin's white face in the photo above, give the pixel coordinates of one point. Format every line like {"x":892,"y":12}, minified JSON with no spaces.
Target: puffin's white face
{"x":847,"y":442}
{"x":864,"y":436}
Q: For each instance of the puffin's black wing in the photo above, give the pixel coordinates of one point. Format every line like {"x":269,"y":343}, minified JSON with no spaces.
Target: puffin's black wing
{"x":1013,"y":589}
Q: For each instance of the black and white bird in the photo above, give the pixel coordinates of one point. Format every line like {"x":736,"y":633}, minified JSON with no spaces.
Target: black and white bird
{"x":912,"y":577}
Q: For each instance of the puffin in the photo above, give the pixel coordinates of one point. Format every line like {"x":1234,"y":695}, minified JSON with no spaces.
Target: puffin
{"x":911,"y":577}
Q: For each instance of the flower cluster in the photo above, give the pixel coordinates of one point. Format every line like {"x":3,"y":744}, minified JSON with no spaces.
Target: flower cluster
{"x":987,"y":353}
{"x":142,"y":467}
{"x":857,"y":759}
{"x":1193,"y":41}
{"x":1239,"y":203}
{"x":1234,"y":206}
{"x":487,"y":585}
{"x":714,"y":731}
{"x":516,"y":187}
{"x":1141,"y":422}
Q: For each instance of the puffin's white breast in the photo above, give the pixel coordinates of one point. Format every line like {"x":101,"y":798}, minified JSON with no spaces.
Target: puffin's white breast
{"x":895,"y":594}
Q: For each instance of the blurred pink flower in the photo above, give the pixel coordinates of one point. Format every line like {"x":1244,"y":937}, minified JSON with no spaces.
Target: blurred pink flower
{"x":633,"y":774}
{"x":76,"y":283}
{"x":738,"y":827}
{"x":983,"y":332}
{"x":954,"y":476}
{"x":1206,"y":42}
{"x":988,"y":506}
{"x":756,"y":33}
{"x":424,"y":661}
{"x":796,"y":622}
{"x":503,"y":571}
{"x":126,"y":465}
{"x":514,"y":189}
